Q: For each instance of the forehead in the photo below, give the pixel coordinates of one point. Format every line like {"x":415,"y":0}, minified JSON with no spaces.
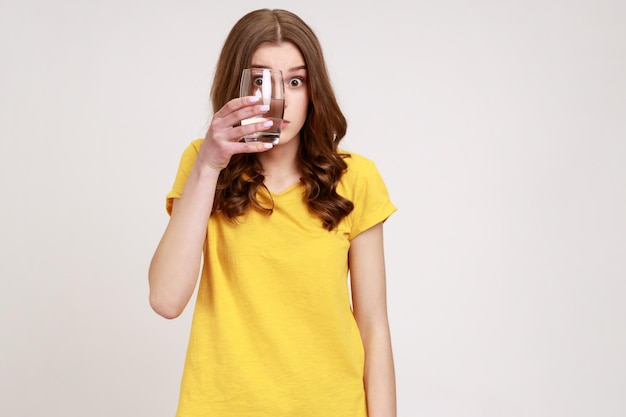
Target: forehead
{"x":284,"y":56}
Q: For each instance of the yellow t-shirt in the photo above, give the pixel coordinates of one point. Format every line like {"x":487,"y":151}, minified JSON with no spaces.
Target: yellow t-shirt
{"x":273,"y":334}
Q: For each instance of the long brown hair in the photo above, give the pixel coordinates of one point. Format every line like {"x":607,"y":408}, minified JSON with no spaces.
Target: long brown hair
{"x":318,"y":157}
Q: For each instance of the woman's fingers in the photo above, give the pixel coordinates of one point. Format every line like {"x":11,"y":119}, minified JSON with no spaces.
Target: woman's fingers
{"x":217,"y":154}
{"x":223,"y":138}
{"x":249,"y":129}
{"x":227,"y":122}
{"x":251,"y":147}
{"x":236,"y":104}
{"x":239,"y":109}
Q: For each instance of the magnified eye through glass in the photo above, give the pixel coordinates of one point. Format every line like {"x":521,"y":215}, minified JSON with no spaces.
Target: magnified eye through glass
{"x":267,"y":84}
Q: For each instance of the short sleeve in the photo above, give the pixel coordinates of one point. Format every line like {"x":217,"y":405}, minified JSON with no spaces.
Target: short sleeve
{"x":365,"y":187}
{"x":184,"y":168}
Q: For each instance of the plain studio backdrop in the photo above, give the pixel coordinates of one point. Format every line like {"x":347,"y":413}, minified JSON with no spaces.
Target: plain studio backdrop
{"x":499,"y":127}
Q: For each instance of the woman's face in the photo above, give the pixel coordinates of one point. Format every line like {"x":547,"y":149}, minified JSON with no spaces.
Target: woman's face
{"x":287,"y":58}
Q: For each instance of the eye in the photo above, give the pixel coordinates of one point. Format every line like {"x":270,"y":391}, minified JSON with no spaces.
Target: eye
{"x":258,"y":81}
{"x":296,"y":82}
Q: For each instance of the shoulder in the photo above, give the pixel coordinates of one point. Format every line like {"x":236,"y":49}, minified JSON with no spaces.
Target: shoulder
{"x":188,"y":158}
{"x":194,"y":146}
{"x":361,"y":176}
{"x":363,"y":184}
{"x":190,"y":152}
{"x":358,"y":165}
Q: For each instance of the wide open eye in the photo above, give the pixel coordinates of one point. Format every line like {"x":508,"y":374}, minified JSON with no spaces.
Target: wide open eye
{"x":296,"y":82}
{"x":258,"y":81}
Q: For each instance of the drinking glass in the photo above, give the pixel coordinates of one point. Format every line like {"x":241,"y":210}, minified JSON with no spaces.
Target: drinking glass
{"x":267,"y":85}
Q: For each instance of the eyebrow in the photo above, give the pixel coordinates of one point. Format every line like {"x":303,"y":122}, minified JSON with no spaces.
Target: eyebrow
{"x":298,"y":68}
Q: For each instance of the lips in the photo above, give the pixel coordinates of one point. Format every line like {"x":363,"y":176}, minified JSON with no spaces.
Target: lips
{"x":285,"y":123}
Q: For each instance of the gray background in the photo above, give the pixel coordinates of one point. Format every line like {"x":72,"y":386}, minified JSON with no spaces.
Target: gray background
{"x":499,"y":126}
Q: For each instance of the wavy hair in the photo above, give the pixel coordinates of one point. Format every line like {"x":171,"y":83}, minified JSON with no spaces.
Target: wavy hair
{"x":319,"y":159}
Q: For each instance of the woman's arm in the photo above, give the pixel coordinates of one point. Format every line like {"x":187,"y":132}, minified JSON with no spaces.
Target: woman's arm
{"x":175,"y":265}
{"x":174,"y":268}
{"x":369,"y":297}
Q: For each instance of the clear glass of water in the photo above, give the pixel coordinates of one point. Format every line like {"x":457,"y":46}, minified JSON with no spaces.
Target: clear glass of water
{"x":267,"y":85}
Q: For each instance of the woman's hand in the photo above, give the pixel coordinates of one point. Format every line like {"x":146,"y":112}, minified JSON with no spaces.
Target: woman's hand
{"x":222,"y":138}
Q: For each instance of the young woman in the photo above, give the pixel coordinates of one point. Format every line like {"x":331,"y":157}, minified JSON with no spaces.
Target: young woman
{"x":277,"y":230}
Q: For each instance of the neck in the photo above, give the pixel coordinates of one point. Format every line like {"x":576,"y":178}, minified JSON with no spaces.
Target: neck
{"x":280,"y":166}
{"x":281,"y":159}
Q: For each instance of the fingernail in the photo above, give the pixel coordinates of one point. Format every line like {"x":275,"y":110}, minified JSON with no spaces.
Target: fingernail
{"x":268,"y":145}
{"x":264,"y":107}
{"x":253,"y":99}
{"x":268,"y":123}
